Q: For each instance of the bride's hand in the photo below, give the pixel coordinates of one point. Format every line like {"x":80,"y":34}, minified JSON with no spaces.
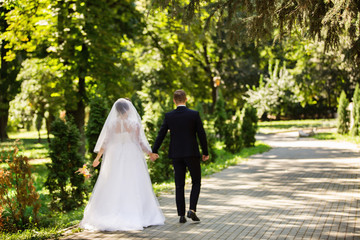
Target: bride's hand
{"x":96,"y":163}
{"x":153,"y":156}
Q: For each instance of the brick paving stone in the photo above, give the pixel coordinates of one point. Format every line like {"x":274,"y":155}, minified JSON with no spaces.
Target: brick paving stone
{"x":300,"y":189}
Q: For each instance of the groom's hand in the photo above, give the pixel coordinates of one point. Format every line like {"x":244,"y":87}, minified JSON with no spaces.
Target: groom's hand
{"x":205,"y":157}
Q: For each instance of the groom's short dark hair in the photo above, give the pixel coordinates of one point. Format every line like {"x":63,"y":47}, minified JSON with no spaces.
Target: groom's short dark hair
{"x":179,"y":96}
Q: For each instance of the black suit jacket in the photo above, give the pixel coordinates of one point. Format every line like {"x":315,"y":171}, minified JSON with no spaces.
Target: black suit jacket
{"x":184,"y":124}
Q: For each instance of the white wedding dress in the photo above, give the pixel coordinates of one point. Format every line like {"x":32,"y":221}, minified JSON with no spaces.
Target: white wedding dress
{"x":123,"y":198}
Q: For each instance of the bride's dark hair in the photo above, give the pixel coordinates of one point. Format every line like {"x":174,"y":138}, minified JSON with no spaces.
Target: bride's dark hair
{"x":122,"y":107}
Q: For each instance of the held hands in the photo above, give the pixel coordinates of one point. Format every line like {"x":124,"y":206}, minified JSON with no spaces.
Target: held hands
{"x":153,"y":156}
{"x":205,"y":157}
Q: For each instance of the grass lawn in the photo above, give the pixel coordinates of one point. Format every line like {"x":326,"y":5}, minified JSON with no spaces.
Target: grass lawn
{"x":293,"y":125}
{"x":30,"y":146}
{"x":338,"y":137}
{"x":326,"y":129}
{"x":52,"y":222}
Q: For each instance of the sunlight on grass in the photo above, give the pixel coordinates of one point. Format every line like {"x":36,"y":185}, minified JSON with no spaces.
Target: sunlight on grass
{"x":226,"y":159}
{"x":293,"y":125}
{"x":29,"y":145}
{"x":28,"y":134}
{"x":338,"y":137}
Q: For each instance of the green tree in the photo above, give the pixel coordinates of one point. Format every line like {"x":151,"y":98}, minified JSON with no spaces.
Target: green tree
{"x":355,"y":131}
{"x":97,"y":118}
{"x":335,"y":21}
{"x":249,"y":121}
{"x":40,"y":91}
{"x":220,"y":116}
{"x":275,"y":93}
{"x":321,"y":76}
{"x":9,"y":69}
{"x":67,"y":189}
{"x":90,"y":38}
{"x":343,"y":115}
{"x":161,"y":169}
{"x":233,"y":139}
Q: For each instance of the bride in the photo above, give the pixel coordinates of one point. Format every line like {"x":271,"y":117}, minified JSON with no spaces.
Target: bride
{"x":123,"y":198}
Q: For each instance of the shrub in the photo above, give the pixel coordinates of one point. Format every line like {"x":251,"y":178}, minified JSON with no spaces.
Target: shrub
{"x":343,"y":114}
{"x":220,"y":117}
{"x":233,"y":138}
{"x":210,"y":134}
{"x":97,"y":118}
{"x":356,"y":112}
{"x":161,"y":170}
{"x":67,"y":189}
{"x":19,"y":201}
{"x":249,"y":121}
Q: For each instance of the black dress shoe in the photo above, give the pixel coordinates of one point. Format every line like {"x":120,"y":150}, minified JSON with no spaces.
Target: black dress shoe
{"x":182,"y":219}
{"x":192,"y":215}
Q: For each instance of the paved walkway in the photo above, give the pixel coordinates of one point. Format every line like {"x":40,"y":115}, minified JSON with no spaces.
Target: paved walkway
{"x":301,"y":189}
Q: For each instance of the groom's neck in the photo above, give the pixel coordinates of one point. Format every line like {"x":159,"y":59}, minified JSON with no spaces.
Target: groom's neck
{"x":180,"y":104}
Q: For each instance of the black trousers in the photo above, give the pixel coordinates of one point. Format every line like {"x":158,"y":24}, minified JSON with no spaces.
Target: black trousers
{"x":180,"y":166}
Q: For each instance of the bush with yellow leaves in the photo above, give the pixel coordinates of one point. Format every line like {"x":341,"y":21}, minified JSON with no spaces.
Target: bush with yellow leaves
{"x":19,"y":201}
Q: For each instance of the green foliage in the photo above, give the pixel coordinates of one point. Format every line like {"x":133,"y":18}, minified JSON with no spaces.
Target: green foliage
{"x":161,"y":169}
{"x":89,"y":38}
{"x":19,"y":201}
{"x":29,"y":145}
{"x":355,"y":129}
{"x":233,"y":139}
{"x":343,"y":114}
{"x":97,"y":118}
{"x":136,"y":101}
{"x":274,"y":95}
{"x":226,"y":159}
{"x":67,"y":189}
{"x":249,"y":121}
{"x":34,"y":234}
{"x":220,"y":117}
{"x":40,"y":93}
{"x":9,"y":85}
{"x":258,"y":20}
{"x":338,"y":137}
{"x":211,"y":138}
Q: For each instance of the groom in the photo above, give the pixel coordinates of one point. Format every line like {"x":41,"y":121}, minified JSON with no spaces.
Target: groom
{"x":184,"y":124}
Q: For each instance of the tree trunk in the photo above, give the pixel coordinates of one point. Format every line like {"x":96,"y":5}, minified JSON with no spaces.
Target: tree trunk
{"x":79,"y":113}
{"x":207,"y":69}
{"x":4,"y":114}
{"x":79,"y":120}
{"x":4,"y":103}
{"x":48,"y":121}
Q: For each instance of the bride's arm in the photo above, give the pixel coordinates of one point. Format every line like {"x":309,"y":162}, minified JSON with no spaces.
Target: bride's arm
{"x":96,"y":161}
{"x":139,"y":140}
{"x":146,"y":149}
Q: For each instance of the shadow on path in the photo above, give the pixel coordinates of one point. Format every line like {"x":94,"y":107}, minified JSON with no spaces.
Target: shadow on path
{"x":301,"y":189}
